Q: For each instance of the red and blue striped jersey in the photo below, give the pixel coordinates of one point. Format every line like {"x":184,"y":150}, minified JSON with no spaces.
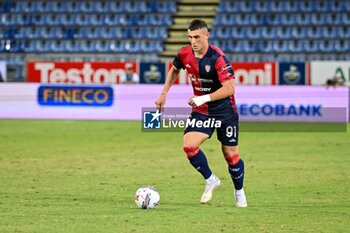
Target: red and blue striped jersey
{"x":206,"y":75}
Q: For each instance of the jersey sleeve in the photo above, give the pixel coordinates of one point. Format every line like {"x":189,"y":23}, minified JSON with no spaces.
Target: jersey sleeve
{"x":224,"y":69}
{"x":178,"y":63}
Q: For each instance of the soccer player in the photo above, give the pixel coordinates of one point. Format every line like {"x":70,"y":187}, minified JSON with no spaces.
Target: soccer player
{"x":212,"y":80}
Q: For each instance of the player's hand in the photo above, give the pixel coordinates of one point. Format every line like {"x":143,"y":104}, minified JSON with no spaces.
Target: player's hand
{"x":191,"y":102}
{"x":197,"y":101}
{"x":160,"y":102}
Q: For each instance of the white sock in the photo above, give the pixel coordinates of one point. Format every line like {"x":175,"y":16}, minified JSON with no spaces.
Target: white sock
{"x":211,"y":179}
{"x":240,"y":192}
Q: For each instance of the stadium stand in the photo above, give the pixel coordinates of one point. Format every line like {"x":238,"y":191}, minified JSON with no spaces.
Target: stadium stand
{"x":66,"y":30}
{"x":283,"y":30}
{"x":260,"y":30}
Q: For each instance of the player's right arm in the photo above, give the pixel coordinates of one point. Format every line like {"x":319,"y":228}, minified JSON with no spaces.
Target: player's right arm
{"x":169,"y":81}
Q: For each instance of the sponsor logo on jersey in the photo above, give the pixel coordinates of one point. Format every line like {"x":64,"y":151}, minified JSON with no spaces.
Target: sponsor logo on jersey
{"x":205,"y":89}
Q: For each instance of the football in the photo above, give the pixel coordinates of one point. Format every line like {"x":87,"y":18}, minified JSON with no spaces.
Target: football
{"x":147,"y":197}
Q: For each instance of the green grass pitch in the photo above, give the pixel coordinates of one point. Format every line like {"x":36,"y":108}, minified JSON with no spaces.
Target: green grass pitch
{"x":81,"y":176}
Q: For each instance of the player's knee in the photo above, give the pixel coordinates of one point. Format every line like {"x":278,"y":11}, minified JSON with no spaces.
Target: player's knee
{"x":232,"y":159}
{"x":191,"y":151}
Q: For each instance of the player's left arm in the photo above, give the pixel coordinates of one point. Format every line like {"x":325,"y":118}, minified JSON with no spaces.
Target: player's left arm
{"x":227,"y":89}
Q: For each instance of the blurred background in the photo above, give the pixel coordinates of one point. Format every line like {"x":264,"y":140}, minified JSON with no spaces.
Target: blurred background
{"x":147,"y":30}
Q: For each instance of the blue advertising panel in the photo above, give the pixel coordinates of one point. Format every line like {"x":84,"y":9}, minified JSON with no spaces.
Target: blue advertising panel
{"x":291,"y":73}
{"x":75,"y":96}
{"x":152,"y":72}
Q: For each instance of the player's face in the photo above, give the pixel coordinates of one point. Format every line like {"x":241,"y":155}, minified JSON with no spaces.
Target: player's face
{"x":198,"y":39}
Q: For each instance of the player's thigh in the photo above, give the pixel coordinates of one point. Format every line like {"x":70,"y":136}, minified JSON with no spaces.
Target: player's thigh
{"x":228,"y":133}
{"x":195,"y":133}
{"x":194,"y":139}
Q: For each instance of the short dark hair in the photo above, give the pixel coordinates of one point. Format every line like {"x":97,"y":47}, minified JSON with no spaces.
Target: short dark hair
{"x":197,"y":24}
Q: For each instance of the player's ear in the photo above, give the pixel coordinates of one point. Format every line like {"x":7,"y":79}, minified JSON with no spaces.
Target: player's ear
{"x":207,"y":34}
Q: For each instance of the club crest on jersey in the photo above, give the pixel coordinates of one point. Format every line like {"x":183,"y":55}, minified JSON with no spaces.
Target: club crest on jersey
{"x":207,"y":68}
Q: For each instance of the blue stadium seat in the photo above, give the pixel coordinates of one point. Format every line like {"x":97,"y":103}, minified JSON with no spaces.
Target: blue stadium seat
{"x":65,"y":19}
{"x":11,"y":33}
{"x":147,"y":46}
{"x":223,"y":32}
{"x":101,"y":46}
{"x":246,"y":6}
{"x":53,"y":6}
{"x":25,"y":32}
{"x":38,"y":7}
{"x":94,"y":20}
{"x":242,"y":19}
{"x":253,"y":20}
{"x":85,"y":46}
{"x":275,"y":6}
{"x":8,"y":6}
{"x":280,"y":45}
{"x":341,"y":46}
{"x":322,"y":6}
{"x":298,"y":32}
{"x":346,"y":32}
{"x":318,"y":19}
{"x":157,"y":47}
{"x":272,"y":19}
{"x":86,"y":32}
{"x":109,"y":19}
{"x":224,"y":20}
{"x":132,"y":46}
{"x":307,"y":6}
{"x":290,"y":6}
{"x":128,"y":7}
{"x":35,"y":46}
{"x":314,"y":32}
{"x":302,"y":19}
{"x":5,"y":19}
{"x":330,"y":32}
{"x":261,"y":6}
{"x":23,"y":6}
{"x":66,"y":46}
{"x":336,"y":6}
{"x":253,"y":33}
{"x":114,"y":6}
{"x":100,"y":7}
{"x":311,"y":46}
{"x":51,"y":20}
{"x":283,"y":32}
{"x":40,"y":32}
{"x":346,"y":18}
{"x":86,"y":6}
{"x":346,"y":6}
{"x":268,"y":33}
{"x":294,"y":46}
{"x":52,"y":46}
{"x":326,"y":46}
{"x":288,"y":19}
{"x":116,"y":46}
{"x":162,"y":32}
{"x":238,"y":32}
{"x":227,"y":6}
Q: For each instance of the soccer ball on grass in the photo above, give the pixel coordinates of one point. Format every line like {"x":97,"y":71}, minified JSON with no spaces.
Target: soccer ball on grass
{"x":147,"y":197}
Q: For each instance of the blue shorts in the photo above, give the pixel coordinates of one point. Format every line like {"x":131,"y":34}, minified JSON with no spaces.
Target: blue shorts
{"x":227,"y":130}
